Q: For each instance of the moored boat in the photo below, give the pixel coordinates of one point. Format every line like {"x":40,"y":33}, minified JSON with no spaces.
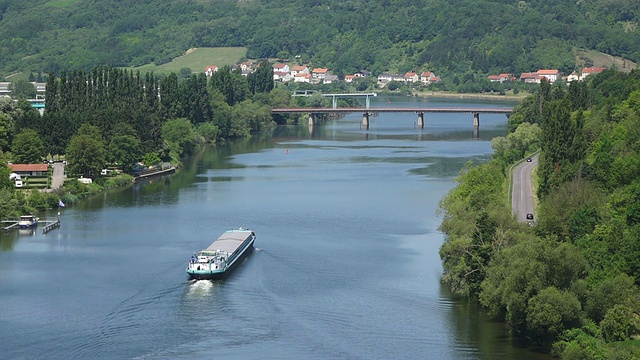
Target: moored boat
{"x":27,"y":221}
{"x":222,"y":256}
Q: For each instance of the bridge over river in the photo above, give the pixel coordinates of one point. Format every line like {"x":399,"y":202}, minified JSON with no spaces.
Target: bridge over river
{"x":420,"y":111}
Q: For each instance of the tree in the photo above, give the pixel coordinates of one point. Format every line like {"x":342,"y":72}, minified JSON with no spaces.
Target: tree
{"x":86,"y":151}
{"x":261,"y":80}
{"x":125,"y":150}
{"x":550,"y":312}
{"x":619,"y":323}
{"x":23,"y":89}
{"x":180,"y":136}
{"x":27,"y":147}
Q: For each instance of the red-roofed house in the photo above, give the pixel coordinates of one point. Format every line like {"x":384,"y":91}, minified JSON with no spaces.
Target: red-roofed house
{"x":529,"y":78}
{"x":29,"y":169}
{"x":591,"y":70}
{"x":209,"y":70}
{"x":493,"y":78}
{"x":319,"y":73}
{"x":428,"y":77}
{"x":301,"y":77}
{"x":411,"y":77}
{"x":281,"y":76}
{"x":573,"y":77}
{"x":349,"y":78}
{"x":551,"y":75}
{"x":299,"y":69}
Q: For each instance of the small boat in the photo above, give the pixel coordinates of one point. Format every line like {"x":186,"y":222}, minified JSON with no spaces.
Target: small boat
{"x":27,"y":221}
{"x":222,"y":256}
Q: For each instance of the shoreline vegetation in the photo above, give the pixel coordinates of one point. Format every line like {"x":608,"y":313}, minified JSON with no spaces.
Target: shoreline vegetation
{"x":470,"y":96}
{"x":570,"y":283}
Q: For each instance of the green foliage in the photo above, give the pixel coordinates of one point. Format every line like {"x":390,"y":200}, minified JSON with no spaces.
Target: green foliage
{"x":180,"y":137}
{"x":619,"y":290}
{"x":125,"y":151}
{"x":151,"y":159}
{"x":86,"y":151}
{"x":550,"y":312}
{"x":23,"y":89}
{"x":27,"y":147}
{"x":619,"y":323}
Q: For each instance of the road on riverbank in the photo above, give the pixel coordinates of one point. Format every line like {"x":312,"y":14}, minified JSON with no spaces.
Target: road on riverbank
{"x":522,"y":192}
{"x":57,"y":177}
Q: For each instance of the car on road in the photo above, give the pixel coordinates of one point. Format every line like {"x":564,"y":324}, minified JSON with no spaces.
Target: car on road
{"x":528,"y":159}
{"x":529,"y":216}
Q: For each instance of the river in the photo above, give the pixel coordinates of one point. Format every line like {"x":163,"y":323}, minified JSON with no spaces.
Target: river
{"x":346,"y":263}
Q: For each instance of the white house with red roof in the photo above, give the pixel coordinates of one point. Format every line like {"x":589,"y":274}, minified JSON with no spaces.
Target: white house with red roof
{"x":299,"y":69}
{"x":281,"y":67}
{"x":282,"y":76}
{"x":428,"y":77}
{"x":349,"y":78}
{"x":319,"y":73}
{"x":591,"y":70}
{"x":551,"y":75}
{"x":411,"y":77}
{"x":302,"y":77}
{"x":29,"y":169}
{"x":209,"y":70}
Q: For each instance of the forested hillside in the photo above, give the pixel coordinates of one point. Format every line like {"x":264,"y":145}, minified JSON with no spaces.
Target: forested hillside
{"x":448,"y":36}
{"x":571,"y":283}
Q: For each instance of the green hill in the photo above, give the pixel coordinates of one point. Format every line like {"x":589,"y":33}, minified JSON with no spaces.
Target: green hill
{"x":453,"y":36}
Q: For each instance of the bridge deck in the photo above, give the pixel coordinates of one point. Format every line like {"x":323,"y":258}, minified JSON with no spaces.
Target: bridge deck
{"x":504,"y":110}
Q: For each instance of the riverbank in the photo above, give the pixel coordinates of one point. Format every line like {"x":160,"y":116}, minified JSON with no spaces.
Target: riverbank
{"x":468,"y":96}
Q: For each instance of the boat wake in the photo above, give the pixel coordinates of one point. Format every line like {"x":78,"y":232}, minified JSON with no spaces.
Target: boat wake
{"x":200,"y":289}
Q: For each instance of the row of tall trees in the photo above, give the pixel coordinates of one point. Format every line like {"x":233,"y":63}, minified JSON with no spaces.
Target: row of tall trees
{"x":571,"y":283}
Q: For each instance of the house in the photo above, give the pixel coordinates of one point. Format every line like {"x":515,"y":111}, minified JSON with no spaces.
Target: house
{"x":529,"y":78}
{"x":501,"y":78}
{"x":573,"y":77}
{"x":551,"y":75}
{"x":247,"y":67}
{"x":299,"y":69}
{"x":282,"y":76}
{"x":428,"y":77}
{"x":362,"y":73}
{"x":280,"y":67}
{"x":591,"y":70}
{"x":385,"y":78}
{"x":29,"y":169}
{"x":302,"y":77}
{"x":209,"y":70}
{"x":411,"y":77}
{"x":319,"y":73}
{"x":349,"y":78}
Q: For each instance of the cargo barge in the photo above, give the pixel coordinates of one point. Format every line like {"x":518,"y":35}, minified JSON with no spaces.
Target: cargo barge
{"x":222,"y":256}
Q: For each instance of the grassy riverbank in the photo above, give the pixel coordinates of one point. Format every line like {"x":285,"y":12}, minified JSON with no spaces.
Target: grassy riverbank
{"x":464,"y":96}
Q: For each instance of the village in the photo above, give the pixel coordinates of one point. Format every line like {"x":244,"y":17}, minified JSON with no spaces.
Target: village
{"x":317,"y":75}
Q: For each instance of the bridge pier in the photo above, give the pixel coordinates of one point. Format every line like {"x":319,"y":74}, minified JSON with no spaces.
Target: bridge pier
{"x":312,"y":119}
{"x":365,"y":120}
{"x":476,"y":120}
{"x":421,"y":120}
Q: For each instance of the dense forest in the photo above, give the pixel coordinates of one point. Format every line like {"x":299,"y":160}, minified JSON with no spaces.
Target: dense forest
{"x":569,"y":284}
{"x":450,"y":37}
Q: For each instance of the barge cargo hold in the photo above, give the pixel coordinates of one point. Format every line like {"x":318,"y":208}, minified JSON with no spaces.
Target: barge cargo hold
{"x":222,"y":256}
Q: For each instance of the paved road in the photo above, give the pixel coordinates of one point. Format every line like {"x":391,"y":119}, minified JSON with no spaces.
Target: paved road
{"x":522,"y":193}
{"x":57,"y":178}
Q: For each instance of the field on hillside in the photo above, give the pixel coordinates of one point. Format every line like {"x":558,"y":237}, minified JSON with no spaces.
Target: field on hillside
{"x":588,"y":57}
{"x":197,"y":60}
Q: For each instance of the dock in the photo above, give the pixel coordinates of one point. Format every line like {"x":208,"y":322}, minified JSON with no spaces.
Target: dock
{"x":14,"y":224}
{"x":149,"y":173}
{"x":50,"y":225}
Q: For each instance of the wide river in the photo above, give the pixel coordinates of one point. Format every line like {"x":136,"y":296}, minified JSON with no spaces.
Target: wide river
{"x":346,"y":263}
